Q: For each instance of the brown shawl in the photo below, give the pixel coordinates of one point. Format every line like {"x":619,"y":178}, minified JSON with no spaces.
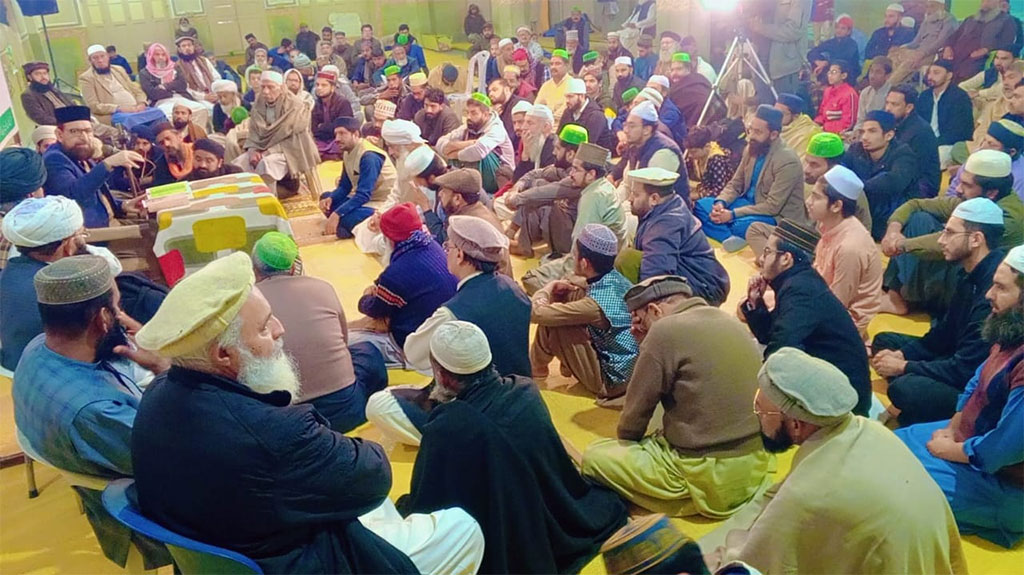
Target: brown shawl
{"x":290,"y":131}
{"x":188,"y":70}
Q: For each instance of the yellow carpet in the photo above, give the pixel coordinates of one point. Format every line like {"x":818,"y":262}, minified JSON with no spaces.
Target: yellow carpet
{"x":47,"y":535}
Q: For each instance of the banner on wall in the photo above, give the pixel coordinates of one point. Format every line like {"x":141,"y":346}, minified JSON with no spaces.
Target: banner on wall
{"x":7,"y":127}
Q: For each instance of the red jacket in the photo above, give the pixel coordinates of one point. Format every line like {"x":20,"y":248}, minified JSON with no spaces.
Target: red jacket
{"x":838,"y":111}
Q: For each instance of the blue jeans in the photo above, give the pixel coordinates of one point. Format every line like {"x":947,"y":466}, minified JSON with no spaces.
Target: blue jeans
{"x":737,"y":227}
{"x":345,"y":409}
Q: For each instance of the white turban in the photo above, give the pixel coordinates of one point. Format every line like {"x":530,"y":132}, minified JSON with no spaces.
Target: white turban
{"x":95,"y":49}
{"x":543,"y":112}
{"x":401,"y":133}
{"x":460,"y":347}
{"x":224,"y":86}
{"x":44,"y":133}
{"x":272,"y":76}
{"x":39,"y":221}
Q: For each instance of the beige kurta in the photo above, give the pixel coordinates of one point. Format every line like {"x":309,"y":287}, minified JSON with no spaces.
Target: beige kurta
{"x":799,"y":133}
{"x":849,"y":261}
{"x":855,"y":501}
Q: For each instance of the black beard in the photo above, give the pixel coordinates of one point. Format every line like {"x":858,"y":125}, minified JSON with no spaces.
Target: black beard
{"x":562,"y":164}
{"x":758,"y":148}
{"x":187,"y":57}
{"x":1005,"y":329}
{"x":179,"y":124}
{"x":102,"y":70}
{"x":779,"y":444}
{"x":40,"y":88}
{"x":113,"y":338}
{"x":202,"y":174}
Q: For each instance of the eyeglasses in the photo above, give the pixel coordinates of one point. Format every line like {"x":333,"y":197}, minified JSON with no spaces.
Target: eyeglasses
{"x":757,"y":411}
{"x":78,"y":132}
{"x":947,"y":233}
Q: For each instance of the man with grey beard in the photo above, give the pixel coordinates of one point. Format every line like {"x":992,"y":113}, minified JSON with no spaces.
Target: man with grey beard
{"x":537,"y":146}
{"x":221,"y":452}
{"x":975,"y":457}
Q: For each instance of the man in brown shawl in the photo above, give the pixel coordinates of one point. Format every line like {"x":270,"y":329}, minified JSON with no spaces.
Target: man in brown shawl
{"x":280,"y":145}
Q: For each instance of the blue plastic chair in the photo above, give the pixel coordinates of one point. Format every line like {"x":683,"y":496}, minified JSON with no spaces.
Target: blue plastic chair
{"x":191,"y":556}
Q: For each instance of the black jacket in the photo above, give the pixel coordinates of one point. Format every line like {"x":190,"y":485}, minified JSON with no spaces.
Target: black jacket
{"x":39,"y":108}
{"x":547,"y":157}
{"x":155,"y":91}
{"x":537,"y":513}
{"x":919,"y":137}
{"x":808,"y":316}
{"x":956,"y":114}
{"x":593,"y":119}
{"x":219,"y":463}
{"x":953,"y":348}
{"x":888,"y":183}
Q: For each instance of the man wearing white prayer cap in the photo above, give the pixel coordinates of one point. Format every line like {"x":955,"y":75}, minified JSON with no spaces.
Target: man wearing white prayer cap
{"x":581,"y":110}
{"x":522,"y":482}
{"x":649,"y":148}
{"x":668,"y":111}
{"x":892,"y":34}
{"x":846,"y":257}
{"x":537,"y":140}
{"x":280,"y":147}
{"x":926,"y":374}
{"x":896,"y":521}
{"x":622,"y":73}
{"x":975,"y":456}
{"x":475,"y":249}
{"x":108,"y":89}
{"x":43,"y":136}
{"x":917,"y":276}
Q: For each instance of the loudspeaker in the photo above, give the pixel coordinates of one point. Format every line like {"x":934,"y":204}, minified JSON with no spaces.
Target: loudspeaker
{"x":38,"y":7}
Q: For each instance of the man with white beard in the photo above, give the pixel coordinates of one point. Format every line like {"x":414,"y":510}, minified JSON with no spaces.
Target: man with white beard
{"x":401,"y":137}
{"x":669,"y":45}
{"x":537,"y":146}
{"x":217,"y":438}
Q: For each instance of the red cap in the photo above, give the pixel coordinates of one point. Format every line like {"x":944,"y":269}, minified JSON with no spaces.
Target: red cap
{"x":329,"y":76}
{"x":520,"y":55}
{"x":398,"y":223}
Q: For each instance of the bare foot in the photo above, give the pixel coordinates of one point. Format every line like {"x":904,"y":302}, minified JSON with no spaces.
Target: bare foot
{"x":893,"y":303}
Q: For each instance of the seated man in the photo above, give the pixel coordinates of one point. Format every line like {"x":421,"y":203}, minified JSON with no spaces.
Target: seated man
{"x":700,"y":364}
{"x":76,"y":390}
{"x":208,"y":161}
{"x":280,"y":146}
{"x":889,"y":169}
{"x":107,"y":89}
{"x":975,"y":457}
{"x":584,"y":323}
{"x":232,"y":380}
{"x":474,"y":249}
{"x":480,"y":143}
{"x":872,"y":97}
{"x":22,"y":175}
{"x":947,"y":108}
{"x":669,"y":240}
{"x":765,"y":188}
{"x":890,"y":35}
{"x":176,"y":162}
{"x":328,"y":108}
{"x":337,"y":378}
{"x":622,"y":71}
{"x":914,"y":131}
{"x":806,"y":315}
{"x":437,"y":118}
{"x":530,"y":203}
{"x":537,"y":141}
{"x":846,"y":257}
{"x":647,"y":147}
{"x":1004,"y":135}
{"x":668,"y":113}
{"x":538,"y":514}
{"x":366,"y":179}
{"x":917,"y":276}
{"x":834,"y":497}
{"x":42,"y":97}
{"x":415,"y":282}
{"x":797,"y":127}
{"x":552,"y":92}
{"x":71,"y":172}
{"x":412,"y":103}
{"x":459,"y":194}
{"x":581,"y":110}
{"x":181,"y":118}
{"x":598,"y":204}
{"x":927,"y":374}
{"x":690,"y":89}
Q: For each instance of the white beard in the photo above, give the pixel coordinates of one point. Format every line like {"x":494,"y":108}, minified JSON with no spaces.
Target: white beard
{"x":442,"y":394}
{"x":267,"y":374}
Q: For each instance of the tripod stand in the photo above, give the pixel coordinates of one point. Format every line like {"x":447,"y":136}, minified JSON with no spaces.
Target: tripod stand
{"x":741,"y":55}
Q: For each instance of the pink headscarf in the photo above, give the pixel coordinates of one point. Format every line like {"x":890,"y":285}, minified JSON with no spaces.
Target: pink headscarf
{"x":165,"y":74}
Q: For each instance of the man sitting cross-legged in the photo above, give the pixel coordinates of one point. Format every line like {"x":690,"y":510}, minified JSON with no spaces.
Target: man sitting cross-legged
{"x":700,"y":364}
{"x":538,"y":514}
{"x":583,"y":322}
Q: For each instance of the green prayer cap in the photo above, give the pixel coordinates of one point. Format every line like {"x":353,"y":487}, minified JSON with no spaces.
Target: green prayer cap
{"x":590,"y":56}
{"x":239,"y":115}
{"x":629,"y":94}
{"x":402,"y":39}
{"x":278,"y":251}
{"x":482,"y":98}
{"x":574,"y":134}
{"x":577,"y":8}
{"x":825,"y":145}
{"x":559,"y":53}
{"x":681,"y":57}
{"x":392,"y":70}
